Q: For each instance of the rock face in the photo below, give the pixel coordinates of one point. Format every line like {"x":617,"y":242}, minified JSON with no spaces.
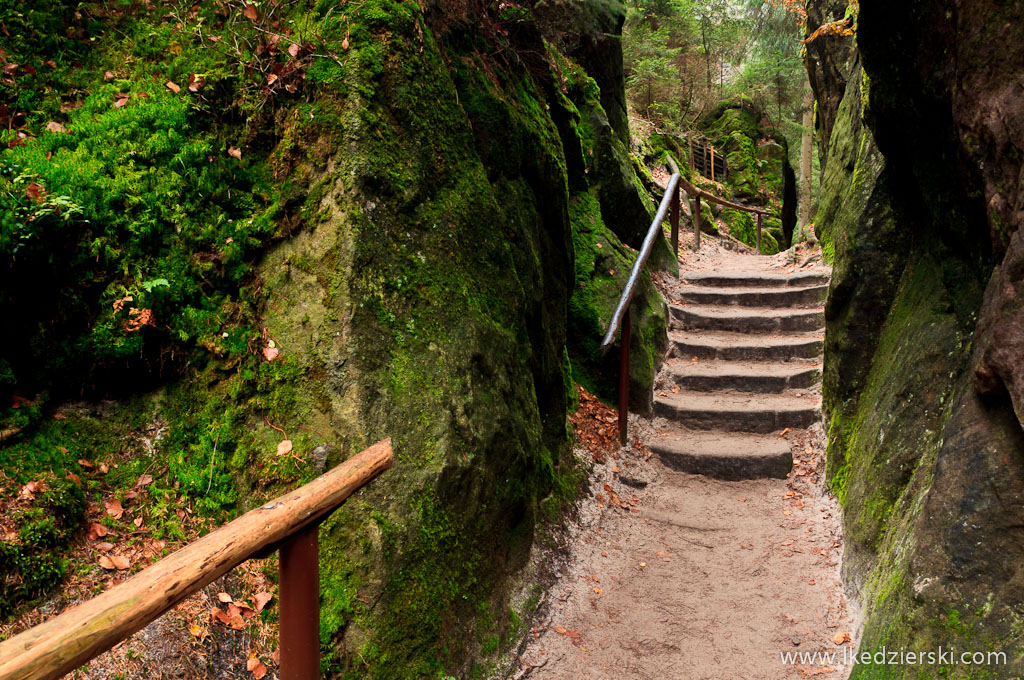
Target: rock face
{"x":465,"y":237}
{"x":920,"y":213}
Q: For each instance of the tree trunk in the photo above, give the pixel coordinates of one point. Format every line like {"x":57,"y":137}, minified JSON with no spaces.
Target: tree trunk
{"x":805,"y":162}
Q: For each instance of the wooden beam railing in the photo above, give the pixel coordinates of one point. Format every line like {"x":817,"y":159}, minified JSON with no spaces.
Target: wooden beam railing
{"x":288,"y":523}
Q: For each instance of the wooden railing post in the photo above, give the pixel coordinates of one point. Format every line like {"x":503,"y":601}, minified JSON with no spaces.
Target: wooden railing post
{"x":696,"y":222}
{"x":758,"y":233}
{"x":623,"y":379}
{"x":674,"y":218}
{"x":299,"y":571}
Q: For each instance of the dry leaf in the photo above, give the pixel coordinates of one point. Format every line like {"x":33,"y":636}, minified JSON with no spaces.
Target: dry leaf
{"x":144,"y":480}
{"x":293,"y":50}
{"x":275,"y":656}
{"x":104,"y":468}
{"x":235,"y":152}
{"x":259,"y":670}
{"x":224,"y":597}
{"x":84,"y":463}
{"x":173,"y":87}
{"x":108,"y":76}
{"x":840,"y":638}
{"x":137,"y":522}
{"x":284,"y":447}
{"x":217,"y":615}
{"x":121,"y":562}
{"x":54,"y":126}
{"x":114,"y":508}
{"x":196,"y":631}
{"x":250,"y":12}
{"x":271,"y":353}
{"x":106,"y":562}
{"x":597,"y":590}
{"x":344,"y":43}
{"x":97,"y":530}
{"x":104,"y":546}
{"x":74,"y":478}
{"x":120,"y":101}
{"x":262,"y":599}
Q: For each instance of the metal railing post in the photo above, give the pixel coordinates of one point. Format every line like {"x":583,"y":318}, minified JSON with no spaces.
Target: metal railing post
{"x":623,"y":380}
{"x":300,"y":605}
{"x":758,"y":233}
{"x":674,"y":218}
{"x":696,"y":222}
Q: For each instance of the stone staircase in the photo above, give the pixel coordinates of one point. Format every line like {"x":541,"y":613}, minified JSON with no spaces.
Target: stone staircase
{"x":744,"y":363}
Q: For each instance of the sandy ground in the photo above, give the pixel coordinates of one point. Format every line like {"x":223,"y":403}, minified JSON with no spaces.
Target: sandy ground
{"x":699,"y":579}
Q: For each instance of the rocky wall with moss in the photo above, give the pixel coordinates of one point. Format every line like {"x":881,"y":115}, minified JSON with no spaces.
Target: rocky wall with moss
{"x":758,"y":174}
{"x":928,"y":465}
{"x":324,"y":225}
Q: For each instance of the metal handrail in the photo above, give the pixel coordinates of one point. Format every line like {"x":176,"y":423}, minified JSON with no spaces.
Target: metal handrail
{"x":620,"y":317}
{"x":289,"y":524}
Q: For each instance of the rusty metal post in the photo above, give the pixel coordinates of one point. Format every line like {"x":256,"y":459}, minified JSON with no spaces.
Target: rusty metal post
{"x":758,"y":233}
{"x":696,"y":222}
{"x":712,"y":162}
{"x":623,"y":380}
{"x":299,"y":599}
{"x":674,"y":219}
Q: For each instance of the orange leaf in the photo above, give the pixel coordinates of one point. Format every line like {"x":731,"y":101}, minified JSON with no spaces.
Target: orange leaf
{"x":114,"y":508}
{"x":840,"y":638}
{"x":262,"y":599}
{"x":284,"y":447}
{"x":106,"y":562}
{"x":121,"y":562}
{"x":97,"y":530}
{"x":173,"y":86}
{"x":144,"y":480}
{"x":104,"y":546}
{"x":250,"y":12}
{"x":224,"y":597}
{"x":235,"y":152}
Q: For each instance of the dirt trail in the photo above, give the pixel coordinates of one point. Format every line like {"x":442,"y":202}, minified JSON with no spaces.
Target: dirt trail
{"x":703,"y":578}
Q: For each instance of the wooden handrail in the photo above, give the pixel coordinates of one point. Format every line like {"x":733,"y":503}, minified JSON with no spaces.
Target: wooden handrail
{"x":58,"y":646}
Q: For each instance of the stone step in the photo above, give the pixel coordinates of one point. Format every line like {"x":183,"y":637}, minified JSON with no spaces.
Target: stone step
{"x":755,"y":280}
{"x":746,"y":319}
{"x":737,"y":412}
{"x":724,"y":455}
{"x":742,"y":347}
{"x":742,"y":376}
{"x":813,"y":296}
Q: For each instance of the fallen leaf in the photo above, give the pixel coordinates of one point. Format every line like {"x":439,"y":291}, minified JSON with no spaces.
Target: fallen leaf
{"x":262,"y":599}
{"x":76,"y":480}
{"x":173,"y":86}
{"x":120,"y":101}
{"x":217,"y":615}
{"x":121,"y":562}
{"x":54,"y":126}
{"x":104,"y":468}
{"x":97,"y":530}
{"x":224,"y":597}
{"x":293,"y":50}
{"x":106,"y":562}
{"x":104,"y":546}
{"x":256,"y":667}
{"x":597,"y":590}
{"x":344,"y":43}
{"x":271,"y":353}
{"x":250,"y":12}
{"x":108,"y":76}
{"x":284,"y":447}
{"x":235,"y":152}
{"x":84,"y":463}
{"x":275,"y":656}
{"x":137,"y":522}
{"x":144,"y":480}
{"x":114,"y":508}
{"x":196,"y":631}
{"x":840,"y":638}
